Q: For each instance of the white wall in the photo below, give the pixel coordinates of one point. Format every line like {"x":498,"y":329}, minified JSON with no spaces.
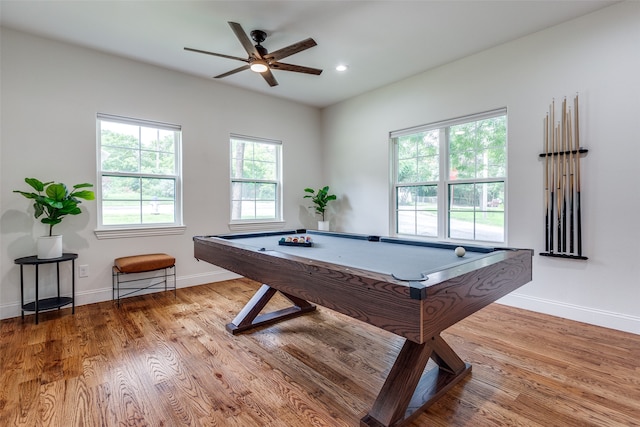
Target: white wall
{"x":596,"y":56}
{"x":51,"y":93}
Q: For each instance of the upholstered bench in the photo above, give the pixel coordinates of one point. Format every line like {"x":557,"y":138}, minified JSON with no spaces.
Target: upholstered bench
{"x":136,"y":264}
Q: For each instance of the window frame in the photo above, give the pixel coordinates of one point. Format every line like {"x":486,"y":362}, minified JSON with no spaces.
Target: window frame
{"x":257,"y":223}
{"x":109,"y":231}
{"x":444,"y":182}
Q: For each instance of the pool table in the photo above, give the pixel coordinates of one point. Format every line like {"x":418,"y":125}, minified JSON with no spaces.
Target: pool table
{"x":414,"y":289}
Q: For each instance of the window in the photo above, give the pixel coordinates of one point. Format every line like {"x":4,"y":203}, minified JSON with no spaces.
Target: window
{"x":139,"y":173}
{"x":449,"y":179}
{"x":255,"y":179}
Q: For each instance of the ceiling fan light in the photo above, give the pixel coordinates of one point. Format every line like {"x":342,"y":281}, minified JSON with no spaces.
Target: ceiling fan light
{"x":259,"y":67}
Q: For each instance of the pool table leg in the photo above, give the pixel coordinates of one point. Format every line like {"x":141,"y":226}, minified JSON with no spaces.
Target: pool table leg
{"x":250,"y":317}
{"x":408,"y":390}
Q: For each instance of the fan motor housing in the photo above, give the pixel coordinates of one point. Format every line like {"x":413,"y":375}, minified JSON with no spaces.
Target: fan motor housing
{"x":258,"y":36}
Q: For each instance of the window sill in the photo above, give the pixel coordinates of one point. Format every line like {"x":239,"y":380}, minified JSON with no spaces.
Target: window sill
{"x":256,"y":226}
{"x":119,"y":233}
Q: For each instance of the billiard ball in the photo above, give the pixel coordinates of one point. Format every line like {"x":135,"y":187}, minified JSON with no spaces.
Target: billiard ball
{"x":460,"y":251}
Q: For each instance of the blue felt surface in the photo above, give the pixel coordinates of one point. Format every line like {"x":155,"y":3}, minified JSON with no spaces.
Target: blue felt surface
{"x":405,"y":262}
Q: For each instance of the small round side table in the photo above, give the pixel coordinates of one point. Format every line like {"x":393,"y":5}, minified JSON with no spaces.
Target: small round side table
{"x":48,"y":303}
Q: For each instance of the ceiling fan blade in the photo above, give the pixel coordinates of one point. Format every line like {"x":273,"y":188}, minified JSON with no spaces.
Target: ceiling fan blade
{"x":290,"y":50}
{"x":216,"y":54}
{"x":228,"y":73}
{"x":296,"y":68}
{"x":244,"y":39}
{"x":268,"y":76}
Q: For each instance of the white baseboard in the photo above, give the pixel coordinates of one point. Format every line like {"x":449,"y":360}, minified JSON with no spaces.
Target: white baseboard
{"x":607,"y":319}
{"x":105,"y":294}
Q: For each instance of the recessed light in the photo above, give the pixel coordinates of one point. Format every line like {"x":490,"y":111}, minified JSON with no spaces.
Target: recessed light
{"x":341,"y":67}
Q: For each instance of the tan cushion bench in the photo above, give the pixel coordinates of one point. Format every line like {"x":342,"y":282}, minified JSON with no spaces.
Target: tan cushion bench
{"x":141,"y":264}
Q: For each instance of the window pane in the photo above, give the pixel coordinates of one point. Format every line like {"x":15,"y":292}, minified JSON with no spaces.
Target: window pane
{"x":476,"y":211}
{"x":406,"y":222}
{"x":158,"y":139}
{"x":120,"y":188}
{"x":237,"y":158}
{"x":266,"y":191}
{"x":478,"y":149}
{"x":417,"y":210}
{"x":496,"y":163}
{"x":248,"y":190}
{"x":243,"y":209}
{"x":428,"y":169}
{"x":418,"y":157}
{"x":265,"y":209}
{"x":137,"y":200}
{"x":157,"y":163}
{"x":252,"y":160}
{"x":252,"y":200}
{"x":120,"y":212}
{"x":407,"y":171}
{"x":158,"y":211}
{"x":157,"y":199}
{"x":116,"y":159}
{"x":119,"y":134}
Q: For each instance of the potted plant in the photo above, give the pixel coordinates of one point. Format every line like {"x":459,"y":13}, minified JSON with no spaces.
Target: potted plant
{"x":54,"y":201}
{"x":320,"y":199}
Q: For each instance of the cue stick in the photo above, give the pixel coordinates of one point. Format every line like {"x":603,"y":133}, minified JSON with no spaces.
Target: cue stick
{"x":552,"y":174}
{"x":578,"y":209}
{"x":545,"y":123}
{"x":571,"y":189}
{"x":563,"y":176}
{"x":558,"y":189}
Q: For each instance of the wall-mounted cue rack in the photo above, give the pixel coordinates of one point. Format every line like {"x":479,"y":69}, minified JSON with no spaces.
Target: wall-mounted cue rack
{"x":562,"y":154}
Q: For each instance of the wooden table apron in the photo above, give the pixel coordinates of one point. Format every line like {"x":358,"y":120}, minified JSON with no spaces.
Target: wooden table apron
{"x":380,"y":300}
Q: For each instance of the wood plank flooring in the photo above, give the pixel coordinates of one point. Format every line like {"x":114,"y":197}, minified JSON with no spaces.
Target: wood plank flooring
{"x":164,"y":361}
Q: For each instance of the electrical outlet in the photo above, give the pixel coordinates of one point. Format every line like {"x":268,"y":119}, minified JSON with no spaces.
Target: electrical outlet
{"x":83,"y":271}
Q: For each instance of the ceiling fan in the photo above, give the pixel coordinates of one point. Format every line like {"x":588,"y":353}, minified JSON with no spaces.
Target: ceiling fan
{"x":260,"y":60}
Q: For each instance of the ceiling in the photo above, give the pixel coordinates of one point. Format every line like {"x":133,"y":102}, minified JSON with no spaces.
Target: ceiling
{"x":380,"y":41}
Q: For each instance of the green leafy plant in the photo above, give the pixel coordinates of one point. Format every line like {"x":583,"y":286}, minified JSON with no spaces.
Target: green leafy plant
{"x":54,"y":201}
{"x":320,"y":199}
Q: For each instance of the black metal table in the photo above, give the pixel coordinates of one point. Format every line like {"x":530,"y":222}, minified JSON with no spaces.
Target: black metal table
{"x":53,"y":302}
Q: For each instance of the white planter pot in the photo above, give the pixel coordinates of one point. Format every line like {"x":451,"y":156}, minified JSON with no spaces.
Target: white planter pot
{"x":323,"y":225}
{"x":49,"y":247}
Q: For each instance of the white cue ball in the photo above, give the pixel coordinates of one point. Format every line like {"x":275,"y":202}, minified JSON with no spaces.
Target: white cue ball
{"x":460,"y":251}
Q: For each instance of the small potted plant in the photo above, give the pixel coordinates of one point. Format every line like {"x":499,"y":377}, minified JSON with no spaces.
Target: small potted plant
{"x":320,"y":199}
{"x":54,"y":201}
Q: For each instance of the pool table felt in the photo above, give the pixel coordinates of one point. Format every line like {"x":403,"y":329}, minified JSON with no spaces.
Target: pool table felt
{"x":404,"y":262}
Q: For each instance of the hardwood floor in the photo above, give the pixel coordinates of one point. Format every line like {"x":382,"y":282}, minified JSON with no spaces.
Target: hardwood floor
{"x":165,"y":361}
